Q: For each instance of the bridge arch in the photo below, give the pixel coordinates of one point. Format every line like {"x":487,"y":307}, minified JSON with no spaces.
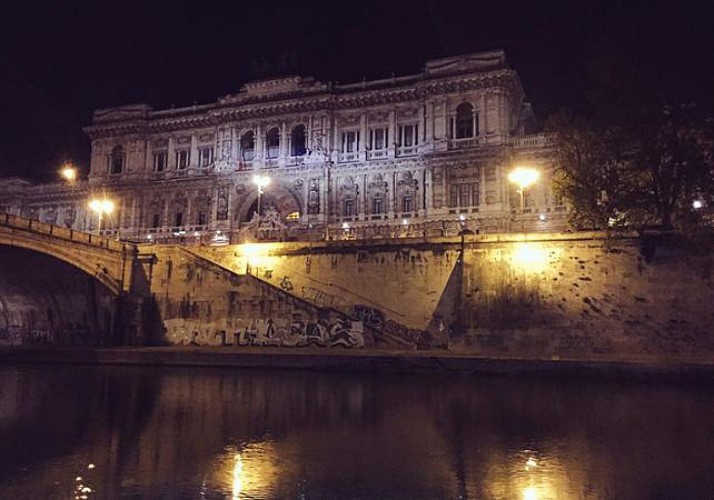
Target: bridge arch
{"x":46,"y":300}
{"x":106,"y":260}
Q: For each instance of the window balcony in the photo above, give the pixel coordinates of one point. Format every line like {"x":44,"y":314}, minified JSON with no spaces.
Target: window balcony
{"x":345,"y":157}
{"x":375,"y":155}
{"x":469,"y":142}
{"x":407,"y":150}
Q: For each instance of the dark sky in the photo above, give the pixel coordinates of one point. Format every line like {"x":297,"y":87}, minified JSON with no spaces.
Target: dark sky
{"x":62,"y":60}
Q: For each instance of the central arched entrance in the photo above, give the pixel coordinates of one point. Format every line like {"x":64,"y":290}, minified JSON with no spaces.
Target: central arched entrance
{"x":277,"y":218}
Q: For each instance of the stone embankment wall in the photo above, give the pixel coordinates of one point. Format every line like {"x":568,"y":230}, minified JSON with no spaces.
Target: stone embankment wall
{"x":287,"y":295}
{"x":646,"y":298}
{"x":575,"y":296}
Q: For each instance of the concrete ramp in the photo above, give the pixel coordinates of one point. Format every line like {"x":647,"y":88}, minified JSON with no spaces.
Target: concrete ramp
{"x":403,"y":291}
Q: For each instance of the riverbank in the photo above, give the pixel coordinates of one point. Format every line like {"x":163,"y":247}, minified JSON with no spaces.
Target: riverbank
{"x":380,"y":361}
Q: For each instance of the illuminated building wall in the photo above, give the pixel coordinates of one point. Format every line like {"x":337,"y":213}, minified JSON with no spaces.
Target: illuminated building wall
{"x":419,"y":155}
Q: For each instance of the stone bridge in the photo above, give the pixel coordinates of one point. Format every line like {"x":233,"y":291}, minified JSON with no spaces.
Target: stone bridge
{"x":66,"y":287}
{"x":109,"y":261}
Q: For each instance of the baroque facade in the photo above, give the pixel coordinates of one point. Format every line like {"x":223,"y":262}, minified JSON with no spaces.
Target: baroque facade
{"x":424,"y":155}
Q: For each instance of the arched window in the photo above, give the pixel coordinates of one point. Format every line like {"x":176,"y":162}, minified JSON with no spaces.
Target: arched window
{"x":464,"y":121}
{"x":116,"y":160}
{"x":272,"y":142}
{"x":297,"y":141}
{"x":247,"y":146}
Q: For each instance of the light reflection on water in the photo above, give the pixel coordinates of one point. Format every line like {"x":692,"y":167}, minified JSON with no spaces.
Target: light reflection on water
{"x":211,"y":434}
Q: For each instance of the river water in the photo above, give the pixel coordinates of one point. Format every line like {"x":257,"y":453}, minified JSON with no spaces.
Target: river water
{"x":70,"y":432}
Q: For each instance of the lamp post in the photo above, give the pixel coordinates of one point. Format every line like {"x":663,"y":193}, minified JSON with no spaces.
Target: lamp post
{"x":261,"y":181}
{"x":101,"y":207}
{"x":523,"y":177}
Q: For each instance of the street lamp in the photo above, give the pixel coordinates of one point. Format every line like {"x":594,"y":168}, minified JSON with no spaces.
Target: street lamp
{"x":261,"y":181}
{"x":68,"y":172}
{"x":523,"y":177}
{"x":101,"y":207}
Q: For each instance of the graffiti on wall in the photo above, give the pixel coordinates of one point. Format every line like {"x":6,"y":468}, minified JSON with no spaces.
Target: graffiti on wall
{"x":11,"y":335}
{"x":321,"y":333}
{"x":317,"y":296}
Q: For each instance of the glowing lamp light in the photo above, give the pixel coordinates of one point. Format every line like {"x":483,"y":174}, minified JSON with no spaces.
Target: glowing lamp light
{"x":524,"y":177}
{"x":101,"y":207}
{"x":530,"y":494}
{"x":260,"y":181}
{"x":697,"y":204}
{"x":68,"y":172}
{"x":530,"y":258}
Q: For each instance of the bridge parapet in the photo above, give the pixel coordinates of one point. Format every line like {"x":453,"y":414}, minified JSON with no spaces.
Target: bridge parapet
{"x":109,"y":261}
{"x":35,"y":226}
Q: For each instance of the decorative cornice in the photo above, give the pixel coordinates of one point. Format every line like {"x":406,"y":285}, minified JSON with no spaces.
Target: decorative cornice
{"x":141,"y":119}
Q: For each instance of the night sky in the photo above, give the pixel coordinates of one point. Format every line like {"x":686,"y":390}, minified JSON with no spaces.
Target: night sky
{"x":62,"y":60}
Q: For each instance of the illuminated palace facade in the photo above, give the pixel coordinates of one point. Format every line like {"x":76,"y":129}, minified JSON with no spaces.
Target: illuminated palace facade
{"x":424,"y":155}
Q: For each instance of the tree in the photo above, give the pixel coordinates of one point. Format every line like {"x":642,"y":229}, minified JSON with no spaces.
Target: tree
{"x":672,"y":154}
{"x":591,"y":172}
{"x":644,"y":169}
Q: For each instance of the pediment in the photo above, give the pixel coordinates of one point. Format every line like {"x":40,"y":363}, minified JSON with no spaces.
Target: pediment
{"x":481,"y":61}
{"x":121,"y":113}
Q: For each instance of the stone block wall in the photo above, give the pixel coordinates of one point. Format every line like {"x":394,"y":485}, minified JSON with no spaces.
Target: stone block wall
{"x":630,"y":298}
{"x":561,"y":296}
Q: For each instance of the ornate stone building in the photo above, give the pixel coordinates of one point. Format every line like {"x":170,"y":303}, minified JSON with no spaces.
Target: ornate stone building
{"x":412,"y":156}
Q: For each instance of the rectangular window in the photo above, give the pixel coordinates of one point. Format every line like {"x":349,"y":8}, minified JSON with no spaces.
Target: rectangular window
{"x":378,"y":139}
{"x":117,"y":163}
{"x":464,"y":195}
{"x":377,"y":206}
{"x":156,"y":220}
{"x":349,"y":208}
{"x":182,"y":158}
{"x":205,"y":156}
{"x":179,"y":219}
{"x":407,"y":204}
{"x":408,"y":135}
{"x":350,"y":141}
{"x":160,"y":161}
{"x":453,"y":196}
{"x":202,"y":219}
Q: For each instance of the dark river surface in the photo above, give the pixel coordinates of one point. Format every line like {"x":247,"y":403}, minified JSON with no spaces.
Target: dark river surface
{"x":70,"y":432}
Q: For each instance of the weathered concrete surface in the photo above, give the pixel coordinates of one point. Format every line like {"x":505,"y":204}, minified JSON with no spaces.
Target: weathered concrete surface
{"x":577,"y":296}
{"x":588,"y":298}
{"x":202,"y":303}
{"x":401,"y":291}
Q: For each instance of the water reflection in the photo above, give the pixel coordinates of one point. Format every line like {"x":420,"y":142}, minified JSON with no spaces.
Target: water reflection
{"x":242,"y":434}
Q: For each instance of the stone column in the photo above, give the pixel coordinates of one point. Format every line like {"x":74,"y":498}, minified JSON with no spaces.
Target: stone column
{"x":363,"y":137}
{"x":393,"y":134}
{"x":428,"y":190}
{"x":171,"y":154}
{"x":193,"y":154}
{"x":283,"y":151}
{"x":259,"y":142}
